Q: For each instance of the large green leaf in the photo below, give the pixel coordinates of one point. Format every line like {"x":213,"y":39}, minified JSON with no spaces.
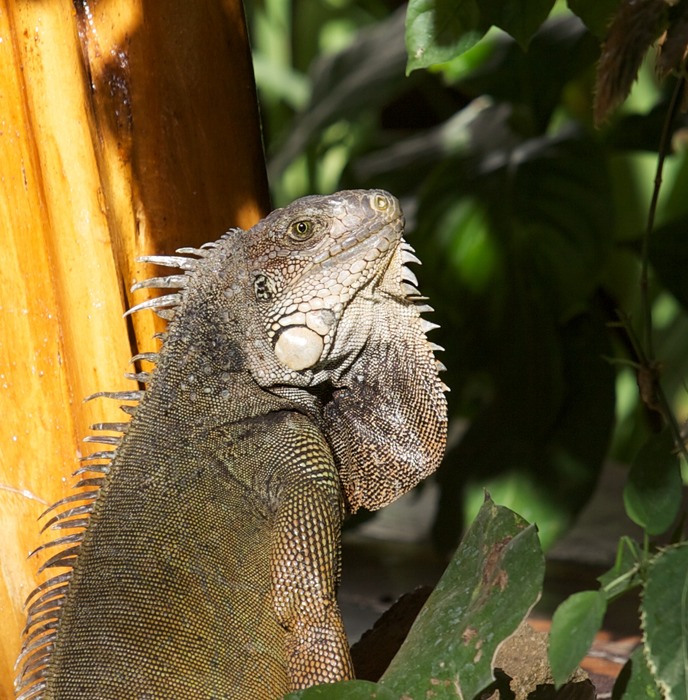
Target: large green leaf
{"x":439,"y":30}
{"x":547,"y":199}
{"x":558,"y":190}
{"x":664,"y":616}
{"x":574,"y":626}
{"x":344,"y":690}
{"x":652,"y":494}
{"x":533,"y":82}
{"x":546,"y":224}
{"x":508,"y":435}
{"x":581,"y":433}
{"x":549,"y":476}
{"x":487,"y":590}
{"x":549,"y":220}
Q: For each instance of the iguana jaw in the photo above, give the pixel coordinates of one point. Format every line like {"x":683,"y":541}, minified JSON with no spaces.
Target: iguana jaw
{"x":306,"y":337}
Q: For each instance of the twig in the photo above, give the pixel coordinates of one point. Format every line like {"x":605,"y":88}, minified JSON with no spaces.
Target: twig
{"x":645,"y":302}
{"x":646,"y":351}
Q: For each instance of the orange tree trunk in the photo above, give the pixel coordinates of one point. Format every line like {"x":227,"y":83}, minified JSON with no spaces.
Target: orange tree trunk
{"x":126,"y":128}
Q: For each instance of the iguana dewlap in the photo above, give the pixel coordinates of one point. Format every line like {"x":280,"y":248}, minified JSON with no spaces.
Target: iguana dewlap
{"x":199,"y":555}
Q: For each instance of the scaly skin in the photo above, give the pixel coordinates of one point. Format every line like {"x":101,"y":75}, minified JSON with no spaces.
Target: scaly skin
{"x":202,"y":554}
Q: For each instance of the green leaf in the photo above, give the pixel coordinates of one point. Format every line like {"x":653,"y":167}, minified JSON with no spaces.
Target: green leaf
{"x":652,"y":494}
{"x":519,"y":18}
{"x":559,"y":194}
{"x":579,"y":441}
{"x":559,"y":54}
{"x":574,"y":626}
{"x":344,"y":690}
{"x":636,"y":682}
{"x":546,"y":475}
{"x":488,"y":588}
{"x":548,"y":204}
{"x":595,"y":13}
{"x":664,"y":618}
{"x":361,"y":77}
{"x":439,"y":30}
{"x":549,"y":408}
{"x":523,"y":492}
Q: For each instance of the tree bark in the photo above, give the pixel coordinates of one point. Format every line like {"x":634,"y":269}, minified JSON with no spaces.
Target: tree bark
{"x":127,"y":127}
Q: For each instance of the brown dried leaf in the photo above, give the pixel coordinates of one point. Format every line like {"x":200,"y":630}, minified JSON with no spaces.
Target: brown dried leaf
{"x":647,"y":377}
{"x":674,"y":44}
{"x":636,"y":25}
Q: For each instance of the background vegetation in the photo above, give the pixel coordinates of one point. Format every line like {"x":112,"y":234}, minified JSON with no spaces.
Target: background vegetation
{"x":528,"y":219}
{"x":558,"y":276}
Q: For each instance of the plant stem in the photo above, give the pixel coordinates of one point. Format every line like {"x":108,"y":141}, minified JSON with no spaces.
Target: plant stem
{"x":645,"y":301}
{"x":646,"y":351}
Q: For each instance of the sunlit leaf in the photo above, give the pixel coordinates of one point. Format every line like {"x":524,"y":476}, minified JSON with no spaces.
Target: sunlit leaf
{"x":439,"y":30}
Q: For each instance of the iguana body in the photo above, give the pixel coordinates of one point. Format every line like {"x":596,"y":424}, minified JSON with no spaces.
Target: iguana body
{"x":202,"y":554}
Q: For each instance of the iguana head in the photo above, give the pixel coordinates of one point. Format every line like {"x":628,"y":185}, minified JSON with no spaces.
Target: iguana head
{"x":308,"y":261}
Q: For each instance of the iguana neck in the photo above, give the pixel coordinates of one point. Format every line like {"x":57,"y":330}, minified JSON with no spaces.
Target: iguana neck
{"x":204,"y":362}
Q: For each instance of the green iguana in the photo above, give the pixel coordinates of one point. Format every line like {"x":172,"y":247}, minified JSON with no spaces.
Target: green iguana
{"x":294,"y":382}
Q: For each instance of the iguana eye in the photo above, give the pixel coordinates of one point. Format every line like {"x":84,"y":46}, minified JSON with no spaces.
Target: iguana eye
{"x":301,"y":230}
{"x":380,"y":202}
